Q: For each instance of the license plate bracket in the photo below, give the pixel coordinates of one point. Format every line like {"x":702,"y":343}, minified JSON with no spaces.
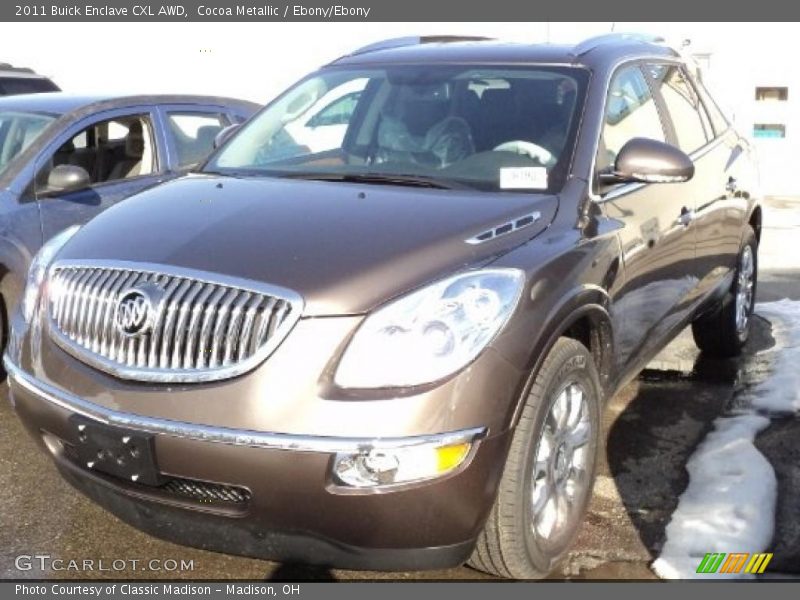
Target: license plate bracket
{"x":115,"y":451}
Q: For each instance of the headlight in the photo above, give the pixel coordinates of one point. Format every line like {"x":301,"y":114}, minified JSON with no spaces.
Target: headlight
{"x":38,"y":270}
{"x":431,"y":333}
{"x":408,"y":461}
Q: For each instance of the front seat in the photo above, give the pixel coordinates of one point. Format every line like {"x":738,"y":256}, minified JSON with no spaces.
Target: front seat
{"x":131,"y":165}
{"x":421,"y":131}
{"x":556,"y":115}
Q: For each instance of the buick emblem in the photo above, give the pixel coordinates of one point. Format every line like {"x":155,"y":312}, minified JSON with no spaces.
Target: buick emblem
{"x":134,"y":313}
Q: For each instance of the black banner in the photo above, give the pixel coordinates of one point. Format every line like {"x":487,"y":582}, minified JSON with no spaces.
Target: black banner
{"x":398,"y":11}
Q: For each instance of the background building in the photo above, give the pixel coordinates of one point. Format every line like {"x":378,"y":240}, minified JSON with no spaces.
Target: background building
{"x":759,"y":86}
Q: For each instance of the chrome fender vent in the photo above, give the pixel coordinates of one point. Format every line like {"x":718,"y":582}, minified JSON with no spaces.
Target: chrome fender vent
{"x":505,"y":228}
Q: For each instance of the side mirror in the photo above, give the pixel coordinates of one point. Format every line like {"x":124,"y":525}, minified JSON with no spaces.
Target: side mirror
{"x":68,"y":178}
{"x":649,"y":161}
{"x":225,"y":134}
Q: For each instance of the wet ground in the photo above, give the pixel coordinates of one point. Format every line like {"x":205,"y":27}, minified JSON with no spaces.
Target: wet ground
{"x":653,"y":425}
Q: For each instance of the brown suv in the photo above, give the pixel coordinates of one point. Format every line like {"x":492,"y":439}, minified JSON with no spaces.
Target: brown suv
{"x":377,"y":328}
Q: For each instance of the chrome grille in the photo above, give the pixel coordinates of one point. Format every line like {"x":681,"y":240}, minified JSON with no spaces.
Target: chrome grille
{"x":199,"y":326}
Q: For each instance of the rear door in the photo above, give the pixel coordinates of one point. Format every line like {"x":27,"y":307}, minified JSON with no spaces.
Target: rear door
{"x":657,"y":248}
{"x":717,"y":155}
{"x":120,"y":152}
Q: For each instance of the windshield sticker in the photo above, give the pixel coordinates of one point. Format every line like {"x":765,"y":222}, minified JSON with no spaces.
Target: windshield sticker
{"x":523,"y":178}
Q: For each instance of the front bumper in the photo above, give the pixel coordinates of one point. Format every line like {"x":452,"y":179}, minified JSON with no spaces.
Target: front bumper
{"x":293,"y":510}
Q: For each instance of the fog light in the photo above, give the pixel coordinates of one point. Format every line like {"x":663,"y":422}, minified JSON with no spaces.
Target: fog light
{"x":400,"y":464}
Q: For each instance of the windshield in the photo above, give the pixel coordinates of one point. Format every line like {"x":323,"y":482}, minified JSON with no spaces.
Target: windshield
{"x":18,"y":130}
{"x":487,"y":128}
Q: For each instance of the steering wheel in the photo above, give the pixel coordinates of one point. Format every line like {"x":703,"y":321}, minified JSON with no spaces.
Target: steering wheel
{"x":536,"y":152}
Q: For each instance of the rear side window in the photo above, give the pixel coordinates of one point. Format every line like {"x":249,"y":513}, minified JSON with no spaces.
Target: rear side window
{"x":718,"y":120}
{"x":630,"y":112}
{"x":10,"y":86}
{"x":683,"y":105}
{"x":193,"y":135}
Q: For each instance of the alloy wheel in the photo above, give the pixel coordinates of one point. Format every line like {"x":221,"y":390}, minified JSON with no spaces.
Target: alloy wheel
{"x":744,"y":289}
{"x":560,"y":474}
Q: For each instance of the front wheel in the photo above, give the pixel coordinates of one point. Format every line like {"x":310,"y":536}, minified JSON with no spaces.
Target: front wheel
{"x":723,"y":332}
{"x":549,"y":473}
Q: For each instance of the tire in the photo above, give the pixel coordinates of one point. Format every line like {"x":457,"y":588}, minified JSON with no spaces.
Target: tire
{"x":723,"y":331}
{"x":513,"y":543}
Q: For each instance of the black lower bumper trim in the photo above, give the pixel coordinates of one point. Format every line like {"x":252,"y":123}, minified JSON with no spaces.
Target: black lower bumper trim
{"x":238,"y":536}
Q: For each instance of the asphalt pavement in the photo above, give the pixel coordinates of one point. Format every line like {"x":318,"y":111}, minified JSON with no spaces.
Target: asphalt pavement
{"x":653,"y":425}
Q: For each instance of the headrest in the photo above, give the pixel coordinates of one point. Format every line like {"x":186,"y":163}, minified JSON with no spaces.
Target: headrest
{"x":418,"y":116}
{"x":206,"y":135}
{"x":134,"y":141}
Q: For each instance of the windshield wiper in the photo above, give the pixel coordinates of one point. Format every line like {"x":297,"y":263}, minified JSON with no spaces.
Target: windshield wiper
{"x":378,"y":179}
{"x":234,"y":173}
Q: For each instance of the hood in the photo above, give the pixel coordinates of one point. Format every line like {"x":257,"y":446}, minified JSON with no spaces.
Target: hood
{"x":344,"y":247}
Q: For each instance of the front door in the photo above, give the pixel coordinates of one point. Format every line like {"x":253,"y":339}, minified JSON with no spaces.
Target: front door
{"x":120,"y":155}
{"x":655,"y":229}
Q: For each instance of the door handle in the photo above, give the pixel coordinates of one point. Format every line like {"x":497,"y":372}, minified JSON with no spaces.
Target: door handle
{"x":687,"y":216}
{"x":732,"y":186}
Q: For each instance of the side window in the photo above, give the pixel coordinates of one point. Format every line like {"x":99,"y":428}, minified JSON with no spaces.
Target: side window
{"x":683,"y":105}
{"x":630,"y":112}
{"x":81,"y":140}
{"x":15,"y":85}
{"x":111,"y":150}
{"x":317,"y":119}
{"x":17,"y":132}
{"x":718,"y":120}
{"x":337,"y":112}
{"x":193,"y":135}
{"x":709,"y":130}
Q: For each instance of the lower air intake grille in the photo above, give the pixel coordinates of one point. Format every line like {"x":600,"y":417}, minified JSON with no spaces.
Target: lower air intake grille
{"x":188,"y":489}
{"x":206,"y":492}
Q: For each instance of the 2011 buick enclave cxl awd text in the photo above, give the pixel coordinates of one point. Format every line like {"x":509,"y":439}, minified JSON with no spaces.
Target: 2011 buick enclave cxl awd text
{"x":377,"y":328}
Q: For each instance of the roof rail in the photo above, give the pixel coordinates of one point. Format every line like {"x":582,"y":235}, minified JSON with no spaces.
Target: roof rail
{"x":415,"y":40}
{"x":609,"y":38}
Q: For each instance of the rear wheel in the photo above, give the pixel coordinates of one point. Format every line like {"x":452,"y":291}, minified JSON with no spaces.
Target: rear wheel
{"x":549,"y":473}
{"x":724,"y":330}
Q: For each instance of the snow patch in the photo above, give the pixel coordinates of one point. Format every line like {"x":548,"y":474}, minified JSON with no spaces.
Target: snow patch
{"x":729,"y":504}
{"x":779,"y":392}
